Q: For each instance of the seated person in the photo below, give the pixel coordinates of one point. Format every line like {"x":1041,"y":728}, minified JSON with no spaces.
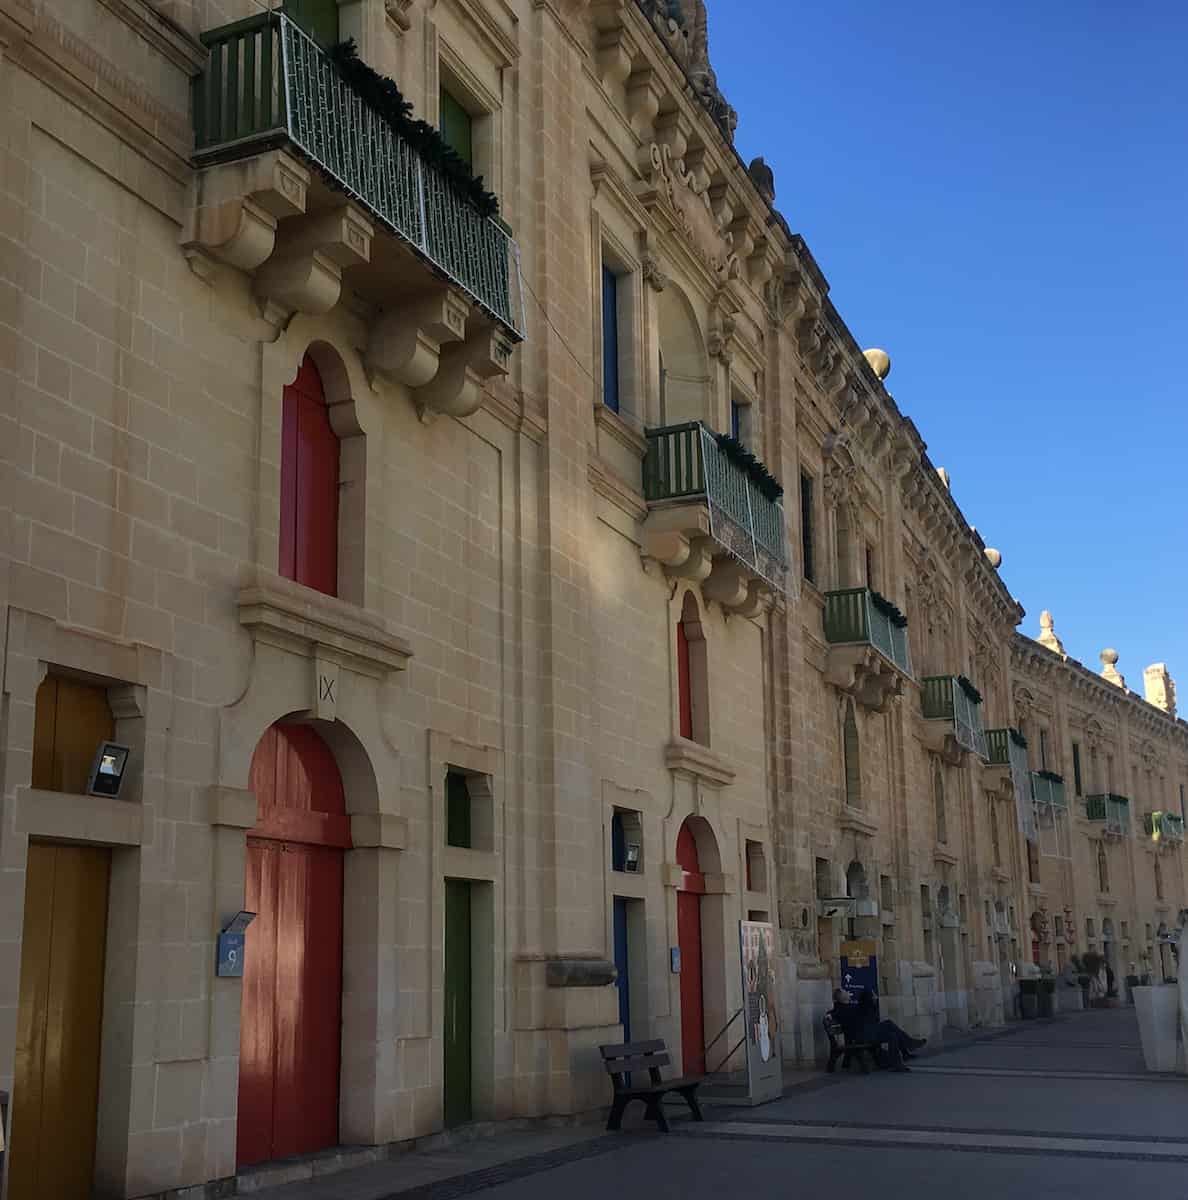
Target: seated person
{"x":860,"y":1023}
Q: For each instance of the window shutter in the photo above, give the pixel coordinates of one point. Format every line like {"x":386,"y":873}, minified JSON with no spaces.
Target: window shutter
{"x":853,"y":762}
{"x":610,"y":339}
{"x":457,"y":127}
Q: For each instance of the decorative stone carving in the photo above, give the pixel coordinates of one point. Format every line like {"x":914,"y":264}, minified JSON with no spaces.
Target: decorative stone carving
{"x":1159,"y":688}
{"x":763,"y":178}
{"x":684,"y":28}
{"x":1109,"y":668}
{"x":1047,"y":637}
{"x":671,"y":187}
{"x":405,"y":344}
{"x":862,"y":672}
{"x":397,"y":13}
{"x":653,"y":274}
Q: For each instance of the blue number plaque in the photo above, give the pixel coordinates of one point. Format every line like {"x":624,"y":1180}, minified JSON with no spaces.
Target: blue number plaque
{"x":230,"y":956}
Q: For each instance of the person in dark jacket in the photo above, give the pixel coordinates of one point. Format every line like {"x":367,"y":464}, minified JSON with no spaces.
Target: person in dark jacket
{"x":898,"y":1042}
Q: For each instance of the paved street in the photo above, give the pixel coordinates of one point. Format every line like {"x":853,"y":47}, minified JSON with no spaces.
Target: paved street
{"x":1059,"y":1107}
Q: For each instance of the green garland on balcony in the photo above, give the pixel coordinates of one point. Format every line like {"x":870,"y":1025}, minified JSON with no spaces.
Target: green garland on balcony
{"x":381,"y":94}
{"x":971,"y":693}
{"x":1050,"y":776}
{"x":742,"y":458}
{"x":883,"y":605}
{"x":1018,"y":738}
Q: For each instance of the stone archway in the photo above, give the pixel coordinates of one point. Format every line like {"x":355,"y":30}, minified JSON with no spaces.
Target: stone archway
{"x":684,"y":365}
{"x":701,"y":936}
{"x":318,"y":662}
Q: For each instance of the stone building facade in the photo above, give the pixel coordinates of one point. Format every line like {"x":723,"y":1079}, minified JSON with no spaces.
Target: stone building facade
{"x":434,"y":573}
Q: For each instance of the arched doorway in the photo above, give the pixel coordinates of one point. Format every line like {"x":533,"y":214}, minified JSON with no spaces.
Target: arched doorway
{"x":692,"y":888}
{"x":290,"y":1028}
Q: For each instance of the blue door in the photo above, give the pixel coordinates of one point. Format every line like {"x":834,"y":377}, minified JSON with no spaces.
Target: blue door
{"x":623,"y":982}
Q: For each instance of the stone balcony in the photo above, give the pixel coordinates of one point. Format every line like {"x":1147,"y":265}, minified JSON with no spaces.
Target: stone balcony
{"x":868,"y":646}
{"x":952,"y":711}
{"x":309,"y":190}
{"x":1007,"y":769}
{"x":1111,"y":811}
{"x":713,"y":519}
{"x":1165,"y":829}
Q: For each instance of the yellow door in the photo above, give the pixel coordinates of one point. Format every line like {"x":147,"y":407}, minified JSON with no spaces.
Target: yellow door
{"x":55,"y":1091}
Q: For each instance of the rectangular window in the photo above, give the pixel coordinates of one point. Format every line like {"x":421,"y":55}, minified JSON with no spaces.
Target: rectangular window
{"x":1043,"y":749}
{"x":870,"y":572}
{"x":457,"y":810}
{"x":457,"y":127}
{"x":736,"y":420}
{"x":806,"y":527}
{"x":1181,"y":800}
{"x":1076,"y":747}
{"x":610,"y":338}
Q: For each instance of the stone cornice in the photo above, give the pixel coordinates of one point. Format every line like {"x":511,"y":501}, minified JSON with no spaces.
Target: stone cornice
{"x":1030,"y":658}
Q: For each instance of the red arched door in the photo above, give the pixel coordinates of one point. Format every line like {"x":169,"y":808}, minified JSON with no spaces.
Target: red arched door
{"x":689,"y":940}
{"x":309,"y":485}
{"x":290,"y":1029}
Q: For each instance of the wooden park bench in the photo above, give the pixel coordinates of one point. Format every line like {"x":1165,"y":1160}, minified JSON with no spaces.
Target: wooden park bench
{"x":864,"y":1052}
{"x":620,"y":1061}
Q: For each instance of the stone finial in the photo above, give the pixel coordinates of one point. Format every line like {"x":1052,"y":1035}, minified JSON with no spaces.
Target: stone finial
{"x":993,"y":557}
{"x":1159,"y":688}
{"x":763,"y":178}
{"x":944,"y":477}
{"x":1109,"y":668}
{"x":1048,"y":636}
{"x":880,"y":361}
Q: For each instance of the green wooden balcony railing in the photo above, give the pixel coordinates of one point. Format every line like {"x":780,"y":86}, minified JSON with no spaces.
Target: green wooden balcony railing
{"x":1048,"y":789}
{"x":685,"y":463}
{"x":1164,"y":826}
{"x":851,"y":615}
{"x":1006,"y":749}
{"x":1113,"y":810}
{"x":944,"y":699}
{"x":267,"y":84}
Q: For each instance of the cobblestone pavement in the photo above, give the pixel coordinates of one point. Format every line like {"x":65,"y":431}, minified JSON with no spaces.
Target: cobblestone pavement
{"x":1059,"y":1107}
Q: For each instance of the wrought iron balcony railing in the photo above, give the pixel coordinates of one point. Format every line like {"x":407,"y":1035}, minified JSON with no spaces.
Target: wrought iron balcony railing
{"x":854,"y":615}
{"x":1164,"y":826}
{"x":267,"y":85}
{"x":1007,"y":748}
{"x":948,"y":698}
{"x":1113,"y":810}
{"x":686,"y":463}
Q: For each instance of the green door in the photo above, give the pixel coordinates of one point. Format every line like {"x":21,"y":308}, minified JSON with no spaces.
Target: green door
{"x":456,"y":1095}
{"x":319,"y":18}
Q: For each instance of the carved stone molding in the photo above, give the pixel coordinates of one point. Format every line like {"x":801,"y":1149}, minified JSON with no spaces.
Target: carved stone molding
{"x":700,"y":762}
{"x":862,"y":672}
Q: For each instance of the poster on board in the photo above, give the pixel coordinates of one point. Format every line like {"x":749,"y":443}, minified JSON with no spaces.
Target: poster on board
{"x":761,"y":1011}
{"x":860,"y":968}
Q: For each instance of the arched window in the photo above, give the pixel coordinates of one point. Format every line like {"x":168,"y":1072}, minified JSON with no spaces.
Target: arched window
{"x":692,"y":674}
{"x":857,"y":887}
{"x":1103,"y":869}
{"x":938,"y":799}
{"x":309,"y":485}
{"x":994,"y":832}
{"x":684,"y":367}
{"x":851,"y":758}
{"x":1158,"y":881}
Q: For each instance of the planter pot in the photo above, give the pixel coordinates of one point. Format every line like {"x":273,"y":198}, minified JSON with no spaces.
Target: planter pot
{"x":1158,"y":1011}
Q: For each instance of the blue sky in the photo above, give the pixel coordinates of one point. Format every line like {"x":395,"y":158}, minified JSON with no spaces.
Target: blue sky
{"x":998,"y":195}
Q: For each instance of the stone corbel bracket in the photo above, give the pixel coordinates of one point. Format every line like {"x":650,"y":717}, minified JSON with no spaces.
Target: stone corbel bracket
{"x":304,"y":273}
{"x":405,"y":344}
{"x":237,"y":207}
{"x":463,"y":371}
{"x":862,"y":672}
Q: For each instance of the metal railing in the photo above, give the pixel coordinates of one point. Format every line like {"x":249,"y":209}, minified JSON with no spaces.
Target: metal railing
{"x":685,"y":462}
{"x":1006,"y":751}
{"x":268,"y":84}
{"x":851,"y":615}
{"x":944,"y":699}
{"x":1164,"y":827}
{"x":1112,"y":809}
